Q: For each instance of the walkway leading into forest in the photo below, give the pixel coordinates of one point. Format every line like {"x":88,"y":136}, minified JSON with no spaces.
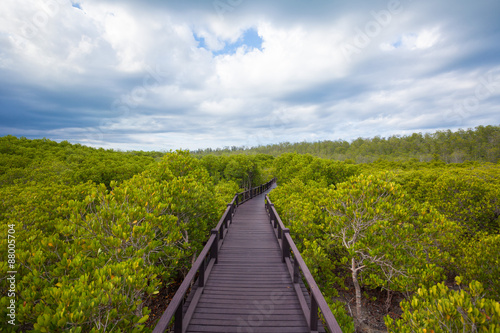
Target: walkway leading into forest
{"x":248,"y":278}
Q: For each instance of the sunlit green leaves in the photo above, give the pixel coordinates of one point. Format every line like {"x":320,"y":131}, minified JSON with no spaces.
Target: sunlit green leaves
{"x":469,"y":196}
{"x":91,"y":255}
{"x":394,"y":242}
{"x":440,"y":309}
{"x":307,"y":168}
{"x":245,"y":170}
{"x":479,"y":259}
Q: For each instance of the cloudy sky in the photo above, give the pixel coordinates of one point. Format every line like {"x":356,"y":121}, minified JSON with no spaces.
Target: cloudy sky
{"x":161,"y":75}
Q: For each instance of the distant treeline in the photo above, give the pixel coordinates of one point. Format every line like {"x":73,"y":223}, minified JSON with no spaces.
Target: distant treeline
{"x":24,"y":160}
{"x":479,"y":144}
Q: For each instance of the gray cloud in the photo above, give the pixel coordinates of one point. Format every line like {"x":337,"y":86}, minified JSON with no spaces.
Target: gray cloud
{"x":131,"y":75}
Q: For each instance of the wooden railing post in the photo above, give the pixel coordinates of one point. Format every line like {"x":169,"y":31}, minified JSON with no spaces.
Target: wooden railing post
{"x":178,"y":318}
{"x":271,"y":217}
{"x":286,"y":245}
{"x":313,"y":318}
{"x":229,"y":214}
{"x":296,"y":273}
{"x":201,"y":275}
{"x":215,"y":246}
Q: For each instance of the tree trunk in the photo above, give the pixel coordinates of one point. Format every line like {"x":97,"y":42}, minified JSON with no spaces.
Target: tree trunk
{"x":359,"y":310}
{"x":388,"y":301}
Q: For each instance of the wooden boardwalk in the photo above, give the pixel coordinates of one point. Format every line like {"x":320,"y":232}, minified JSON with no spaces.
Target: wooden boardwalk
{"x":250,"y":289}
{"x":248,"y":278}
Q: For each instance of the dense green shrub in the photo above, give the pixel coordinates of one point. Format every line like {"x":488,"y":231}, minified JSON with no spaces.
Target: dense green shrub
{"x":440,"y":309}
{"x":479,"y":259}
{"x":112,"y":225}
{"x":42,"y":160}
{"x":391,"y":241}
{"x":469,"y":196}
{"x":308,"y":168}
{"x":89,"y":257}
{"x":246,"y":170}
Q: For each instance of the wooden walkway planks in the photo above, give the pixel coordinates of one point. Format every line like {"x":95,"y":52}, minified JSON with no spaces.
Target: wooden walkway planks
{"x":250,"y":288}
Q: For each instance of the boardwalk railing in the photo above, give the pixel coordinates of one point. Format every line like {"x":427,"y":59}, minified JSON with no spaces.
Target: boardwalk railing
{"x":291,"y":256}
{"x":203,"y":266}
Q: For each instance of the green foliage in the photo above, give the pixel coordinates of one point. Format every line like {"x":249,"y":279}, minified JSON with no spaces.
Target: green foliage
{"x":394,"y":242}
{"x":98,"y":230}
{"x":23,"y":160}
{"x":397,"y":231}
{"x":90,"y":256}
{"x":245,"y":170}
{"x":308,"y":168}
{"x":215,"y":166}
{"x":479,"y":259}
{"x":299,"y":206}
{"x":242,"y":168}
{"x":467,"y":195}
{"x":368,"y":228}
{"x":105,"y":299}
{"x":440,"y":309}
{"x":343,"y":319}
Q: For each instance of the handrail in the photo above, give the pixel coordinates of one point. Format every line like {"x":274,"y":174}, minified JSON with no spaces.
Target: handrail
{"x":317,"y":299}
{"x":203,"y":265}
{"x":178,"y":299}
{"x":252,"y":192}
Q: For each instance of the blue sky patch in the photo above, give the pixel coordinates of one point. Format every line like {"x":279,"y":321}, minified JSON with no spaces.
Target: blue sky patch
{"x":201,"y":41}
{"x":250,"y":39}
{"x":398,"y":43}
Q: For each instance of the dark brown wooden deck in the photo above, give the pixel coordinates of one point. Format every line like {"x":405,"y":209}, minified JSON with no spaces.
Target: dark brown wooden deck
{"x":250,"y":288}
{"x":248,"y":278}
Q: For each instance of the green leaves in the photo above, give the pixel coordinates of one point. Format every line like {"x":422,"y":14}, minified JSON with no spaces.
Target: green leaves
{"x":369,"y":228}
{"x":479,"y":260}
{"x":469,"y":196}
{"x":245,"y":170}
{"x":441,"y":309}
{"x":307,"y":168}
{"x":90,"y":256}
{"x":390,"y":238}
